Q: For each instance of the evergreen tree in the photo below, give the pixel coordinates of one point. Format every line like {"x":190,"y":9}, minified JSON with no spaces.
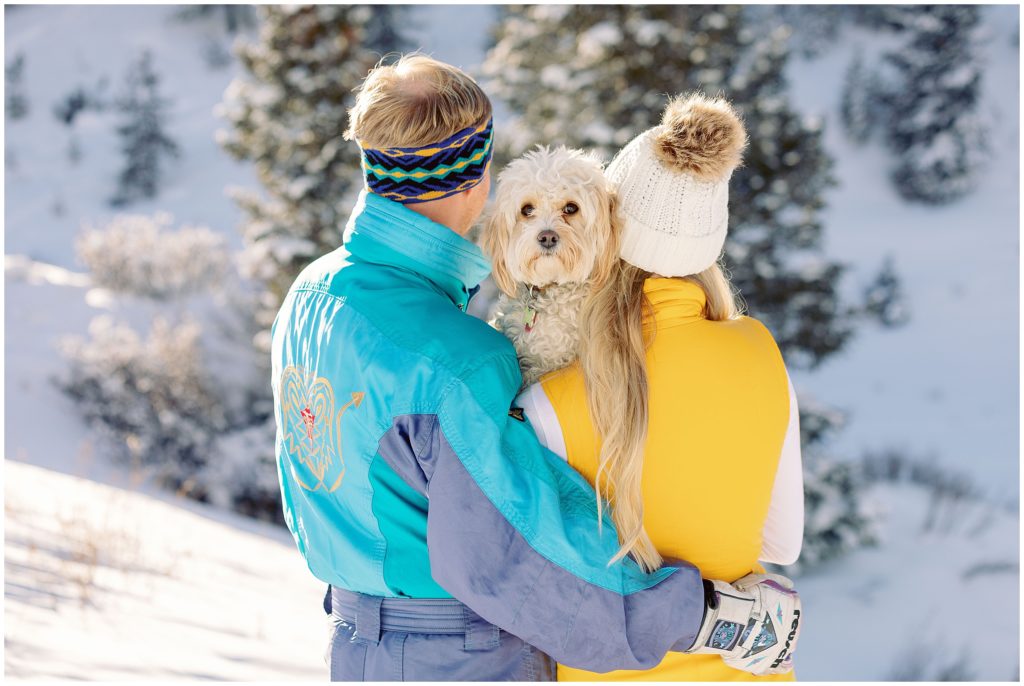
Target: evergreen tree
{"x":933,"y":101}
{"x":859,"y":108}
{"x":144,"y":141}
{"x":17,"y":103}
{"x":884,"y":297}
{"x":596,"y":76}
{"x":287,"y":115}
{"x":383,"y":35}
{"x":927,"y":100}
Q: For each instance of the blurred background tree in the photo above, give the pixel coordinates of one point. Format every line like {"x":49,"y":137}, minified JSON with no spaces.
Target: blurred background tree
{"x":287,"y":116}
{"x":16,"y":101}
{"x":934,"y":125}
{"x":924,"y":94}
{"x":144,"y":138}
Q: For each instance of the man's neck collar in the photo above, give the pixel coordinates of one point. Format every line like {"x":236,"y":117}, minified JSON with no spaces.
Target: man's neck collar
{"x":386,"y":232}
{"x":443,"y":215}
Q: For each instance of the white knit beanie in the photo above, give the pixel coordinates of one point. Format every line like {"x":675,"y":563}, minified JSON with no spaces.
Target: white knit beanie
{"x":673,"y":186}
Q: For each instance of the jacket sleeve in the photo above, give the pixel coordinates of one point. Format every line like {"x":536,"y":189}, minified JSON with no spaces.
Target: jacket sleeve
{"x":513,"y":533}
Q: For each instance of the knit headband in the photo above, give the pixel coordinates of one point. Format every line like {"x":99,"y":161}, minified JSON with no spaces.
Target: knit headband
{"x":430,"y":172}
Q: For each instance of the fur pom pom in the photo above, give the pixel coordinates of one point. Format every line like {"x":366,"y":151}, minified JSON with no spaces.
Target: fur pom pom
{"x":701,"y":136}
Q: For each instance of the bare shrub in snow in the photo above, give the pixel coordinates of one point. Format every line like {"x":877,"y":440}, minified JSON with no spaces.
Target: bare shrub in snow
{"x":151,"y":397}
{"x":137,"y":254}
{"x":192,"y":421}
{"x":952,"y":494}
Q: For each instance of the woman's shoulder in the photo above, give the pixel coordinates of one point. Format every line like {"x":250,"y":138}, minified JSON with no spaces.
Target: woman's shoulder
{"x":761,"y":338}
{"x":567,"y":381}
{"x":751,"y":324}
{"x":744,"y":336}
{"x":744,"y":325}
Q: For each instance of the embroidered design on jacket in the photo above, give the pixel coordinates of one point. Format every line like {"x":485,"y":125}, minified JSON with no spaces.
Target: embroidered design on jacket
{"x":312,"y":429}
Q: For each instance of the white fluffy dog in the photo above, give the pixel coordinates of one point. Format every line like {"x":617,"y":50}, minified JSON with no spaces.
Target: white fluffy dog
{"x":551,"y":235}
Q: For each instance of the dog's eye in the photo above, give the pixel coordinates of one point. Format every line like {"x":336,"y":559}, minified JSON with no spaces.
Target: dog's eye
{"x":527,"y":210}
{"x":571,"y":208}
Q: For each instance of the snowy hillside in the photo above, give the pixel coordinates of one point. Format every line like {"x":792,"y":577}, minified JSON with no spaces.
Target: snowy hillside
{"x":109,"y":578}
{"x":103,"y":583}
{"x":896,"y":612}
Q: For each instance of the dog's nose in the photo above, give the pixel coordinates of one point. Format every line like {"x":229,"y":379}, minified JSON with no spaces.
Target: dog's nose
{"x":547,"y":238}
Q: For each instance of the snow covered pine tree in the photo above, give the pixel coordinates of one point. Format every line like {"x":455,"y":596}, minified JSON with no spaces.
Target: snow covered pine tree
{"x":859,"y":109}
{"x":932,"y":101}
{"x":144,"y":140}
{"x":594,"y":76}
{"x":287,"y":116}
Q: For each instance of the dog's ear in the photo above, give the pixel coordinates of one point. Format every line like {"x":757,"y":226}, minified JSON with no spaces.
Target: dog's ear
{"x":493,"y":241}
{"x":604,"y":266}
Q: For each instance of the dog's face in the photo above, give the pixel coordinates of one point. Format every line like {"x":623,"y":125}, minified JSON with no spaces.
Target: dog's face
{"x":554,"y":221}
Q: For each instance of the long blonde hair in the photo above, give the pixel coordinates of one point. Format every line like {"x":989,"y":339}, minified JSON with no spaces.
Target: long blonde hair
{"x":614,"y":364}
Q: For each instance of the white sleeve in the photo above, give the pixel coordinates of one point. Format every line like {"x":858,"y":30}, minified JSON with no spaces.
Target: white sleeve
{"x":784,"y":527}
{"x":539,"y":410}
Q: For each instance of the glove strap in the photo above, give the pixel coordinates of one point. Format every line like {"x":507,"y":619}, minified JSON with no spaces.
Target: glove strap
{"x":727,"y":621}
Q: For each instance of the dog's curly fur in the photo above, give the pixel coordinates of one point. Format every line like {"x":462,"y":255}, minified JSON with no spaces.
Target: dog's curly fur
{"x":551,"y":343}
{"x":701,"y":136}
{"x":533,"y":193}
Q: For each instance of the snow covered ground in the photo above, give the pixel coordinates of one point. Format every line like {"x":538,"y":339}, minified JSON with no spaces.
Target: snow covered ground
{"x":938,"y":600}
{"x":108,"y":578}
{"x":104,"y":583}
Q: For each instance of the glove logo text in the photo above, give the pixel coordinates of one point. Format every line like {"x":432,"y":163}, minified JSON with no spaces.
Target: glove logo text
{"x":789,"y":639}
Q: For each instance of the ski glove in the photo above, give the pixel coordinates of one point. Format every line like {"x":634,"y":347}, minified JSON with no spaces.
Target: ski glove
{"x":752,"y":623}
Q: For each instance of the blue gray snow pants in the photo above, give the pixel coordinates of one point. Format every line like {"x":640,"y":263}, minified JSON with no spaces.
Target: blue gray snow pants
{"x":413,"y":639}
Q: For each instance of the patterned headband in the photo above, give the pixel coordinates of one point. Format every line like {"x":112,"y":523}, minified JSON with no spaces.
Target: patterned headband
{"x":430,"y":172}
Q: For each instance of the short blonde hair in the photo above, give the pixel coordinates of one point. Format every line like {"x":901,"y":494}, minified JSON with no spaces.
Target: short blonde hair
{"x":415,"y":101}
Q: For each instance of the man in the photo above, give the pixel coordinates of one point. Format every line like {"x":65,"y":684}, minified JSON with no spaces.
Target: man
{"x":455,"y":545}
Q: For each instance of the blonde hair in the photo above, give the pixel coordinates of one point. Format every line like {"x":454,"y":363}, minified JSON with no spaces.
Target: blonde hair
{"x":415,"y":101}
{"x":613,"y":356}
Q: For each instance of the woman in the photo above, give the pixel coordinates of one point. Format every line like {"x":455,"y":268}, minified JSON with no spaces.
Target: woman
{"x":680,"y":409}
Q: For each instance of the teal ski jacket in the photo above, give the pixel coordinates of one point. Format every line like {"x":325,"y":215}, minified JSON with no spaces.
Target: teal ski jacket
{"x":405,"y":472}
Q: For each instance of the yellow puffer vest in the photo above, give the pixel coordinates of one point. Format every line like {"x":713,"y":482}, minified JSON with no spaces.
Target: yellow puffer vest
{"x":719,"y":407}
